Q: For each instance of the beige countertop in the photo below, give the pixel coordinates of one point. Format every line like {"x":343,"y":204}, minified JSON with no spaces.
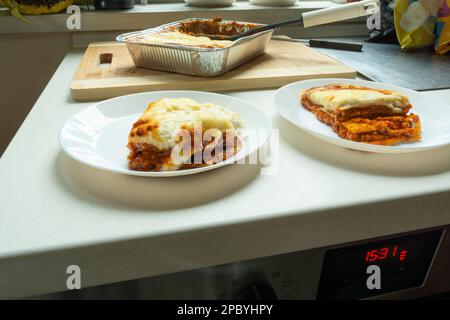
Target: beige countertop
{"x":56,"y":211}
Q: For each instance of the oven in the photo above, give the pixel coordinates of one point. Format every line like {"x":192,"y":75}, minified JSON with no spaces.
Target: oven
{"x":398,"y":266}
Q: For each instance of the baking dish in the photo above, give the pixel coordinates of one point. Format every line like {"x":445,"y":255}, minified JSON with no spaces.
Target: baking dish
{"x":197,"y":61}
{"x":242,"y":43}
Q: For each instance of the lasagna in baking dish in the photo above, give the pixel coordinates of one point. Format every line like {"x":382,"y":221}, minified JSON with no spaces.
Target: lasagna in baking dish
{"x":364,"y":114}
{"x":193,"y":33}
{"x":181,"y":133}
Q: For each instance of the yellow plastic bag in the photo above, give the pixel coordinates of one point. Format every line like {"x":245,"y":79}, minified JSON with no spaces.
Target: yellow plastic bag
{"x":442,"y":44}
{"x":415,"y":21}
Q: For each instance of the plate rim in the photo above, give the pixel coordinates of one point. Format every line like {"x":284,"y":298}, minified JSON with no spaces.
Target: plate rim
{"x":165,"y":174}
{"x":349,"y":144}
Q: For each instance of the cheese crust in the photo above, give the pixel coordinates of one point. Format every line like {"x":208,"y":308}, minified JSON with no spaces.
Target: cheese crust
{"x":173,"y":134}
{"x":349,"y":101}
{"x":177,"y":37}
{"x":364,"y":114}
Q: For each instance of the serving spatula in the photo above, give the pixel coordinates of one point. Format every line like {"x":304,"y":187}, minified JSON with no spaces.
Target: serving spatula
{"x":313,"y":18}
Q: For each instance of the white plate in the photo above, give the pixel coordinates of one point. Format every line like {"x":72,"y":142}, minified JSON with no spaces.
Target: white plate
{"x":98,"y":135}
{"x":434,"y":116}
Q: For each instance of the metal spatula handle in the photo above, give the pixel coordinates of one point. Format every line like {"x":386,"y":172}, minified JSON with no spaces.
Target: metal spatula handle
{"x":340,"y":12}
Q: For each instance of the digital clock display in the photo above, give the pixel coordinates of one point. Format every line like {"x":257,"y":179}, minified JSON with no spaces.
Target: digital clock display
{"x":403,"y":263}
{"x":393,"y":252}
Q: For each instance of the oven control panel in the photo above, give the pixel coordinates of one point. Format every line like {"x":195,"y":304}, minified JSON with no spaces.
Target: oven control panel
{"x":378,"y":267}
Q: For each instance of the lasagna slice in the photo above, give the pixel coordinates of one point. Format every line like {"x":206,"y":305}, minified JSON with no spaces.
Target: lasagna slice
{"x":364,"y":114}
{"x":180,"y":133}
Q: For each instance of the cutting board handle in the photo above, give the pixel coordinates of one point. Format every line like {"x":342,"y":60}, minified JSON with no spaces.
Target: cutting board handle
{"x":105,"y":59}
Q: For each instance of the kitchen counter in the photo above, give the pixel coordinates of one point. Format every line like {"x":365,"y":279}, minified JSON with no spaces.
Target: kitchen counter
{"x":56,"y":212}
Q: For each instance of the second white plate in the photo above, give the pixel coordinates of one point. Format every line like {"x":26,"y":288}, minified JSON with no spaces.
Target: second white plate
{"x":434,"y":116}
{"x":98,"y":135}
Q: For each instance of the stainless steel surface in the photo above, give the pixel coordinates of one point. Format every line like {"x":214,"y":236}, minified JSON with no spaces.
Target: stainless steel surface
{"x":292,"y":276}
{"x":194,"y":61}
{"x":418,"y":70}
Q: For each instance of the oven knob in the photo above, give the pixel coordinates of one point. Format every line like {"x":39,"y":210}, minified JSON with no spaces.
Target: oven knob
{"x":256,"y":291}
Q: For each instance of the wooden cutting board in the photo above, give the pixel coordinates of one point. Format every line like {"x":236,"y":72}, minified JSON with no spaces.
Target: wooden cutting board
{"x":107,"y":70}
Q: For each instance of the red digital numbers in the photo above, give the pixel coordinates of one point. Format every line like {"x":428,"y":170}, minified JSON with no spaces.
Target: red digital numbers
{"x":372,"y":255}
{"x":385,"y":253}
{"x":402,"y":255}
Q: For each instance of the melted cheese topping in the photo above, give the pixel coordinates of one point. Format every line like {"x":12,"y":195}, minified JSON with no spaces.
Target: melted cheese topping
{"x":342,"y":99}
{"x":180,"y":38}
{"x":164,"y":119}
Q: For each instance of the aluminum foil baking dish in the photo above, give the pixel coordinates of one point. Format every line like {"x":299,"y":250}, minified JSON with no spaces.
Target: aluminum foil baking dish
{"x":205,"y":62}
